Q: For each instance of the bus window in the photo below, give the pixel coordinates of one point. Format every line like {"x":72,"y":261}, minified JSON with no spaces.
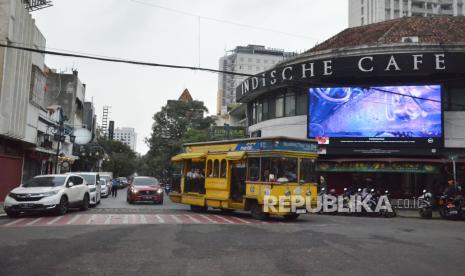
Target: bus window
{"x":209,"y":168}
{"x":216,"y":168}
{"x":276,"y":168}
{"x":194,"y":180}
{"x":223,"y":168}
{"x":253,"y":169}
{"x":307,"y":171}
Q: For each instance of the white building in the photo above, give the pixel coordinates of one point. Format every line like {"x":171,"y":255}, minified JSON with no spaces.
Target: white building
{"x":127,"y":135}
{"x":250,"y":59}
{"x":363,"y":12}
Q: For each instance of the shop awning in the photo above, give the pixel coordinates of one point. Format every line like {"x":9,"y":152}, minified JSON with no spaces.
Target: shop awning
{"x":188,"y":155}
{"x":235,"y":155}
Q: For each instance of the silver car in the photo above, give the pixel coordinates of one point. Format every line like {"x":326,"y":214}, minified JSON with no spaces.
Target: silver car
{"x":95,"y":190}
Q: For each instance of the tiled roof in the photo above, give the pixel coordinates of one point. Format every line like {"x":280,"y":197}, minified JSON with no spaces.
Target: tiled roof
{"x":437,"y":29}
{"x":185,"y":96}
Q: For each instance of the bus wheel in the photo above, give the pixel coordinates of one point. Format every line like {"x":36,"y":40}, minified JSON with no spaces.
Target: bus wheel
{"x":198,"y":209}
{"x":291,"y":217}
{"x":257,"y":212}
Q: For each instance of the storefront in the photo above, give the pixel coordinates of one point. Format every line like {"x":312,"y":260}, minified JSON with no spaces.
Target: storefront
{"x":388,"y":112}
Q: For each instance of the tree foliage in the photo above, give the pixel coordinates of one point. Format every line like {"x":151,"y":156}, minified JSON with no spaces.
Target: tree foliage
{"x":178,"y":122}
{"x":122,"y":160}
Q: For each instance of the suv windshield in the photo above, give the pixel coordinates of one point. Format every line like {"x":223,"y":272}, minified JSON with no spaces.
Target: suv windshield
{"x":90,"y":178}
{"x":145,"y":181}
{"x":48,"y":181}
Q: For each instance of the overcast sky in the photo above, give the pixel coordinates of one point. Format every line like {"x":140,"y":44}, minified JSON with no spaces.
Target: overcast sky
{"x":133,"y":30}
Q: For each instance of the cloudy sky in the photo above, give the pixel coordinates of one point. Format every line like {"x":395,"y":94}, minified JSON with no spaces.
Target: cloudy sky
{"x":167,"y":31}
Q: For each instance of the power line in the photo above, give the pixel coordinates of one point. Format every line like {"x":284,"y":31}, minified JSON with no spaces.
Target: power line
{"x":118,"y":60}
{"x":221,"y":20}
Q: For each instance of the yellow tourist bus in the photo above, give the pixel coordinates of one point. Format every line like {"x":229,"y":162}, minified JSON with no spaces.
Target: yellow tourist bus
{"x":242,"y":174}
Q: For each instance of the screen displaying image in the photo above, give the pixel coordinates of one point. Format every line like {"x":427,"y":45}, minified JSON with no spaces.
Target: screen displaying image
{"x":391,"y":112}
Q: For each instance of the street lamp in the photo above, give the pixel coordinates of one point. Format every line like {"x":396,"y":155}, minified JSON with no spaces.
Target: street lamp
{"x":59,"y":133}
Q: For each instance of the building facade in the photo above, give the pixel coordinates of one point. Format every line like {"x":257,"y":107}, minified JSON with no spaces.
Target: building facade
{"x":126,"y":135}
{"x":363,"y":12}
{"x":385,"y":111}
{"x":250,"y":59}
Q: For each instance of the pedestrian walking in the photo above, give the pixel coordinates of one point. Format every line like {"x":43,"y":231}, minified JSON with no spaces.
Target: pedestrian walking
{"x":114,"y":188}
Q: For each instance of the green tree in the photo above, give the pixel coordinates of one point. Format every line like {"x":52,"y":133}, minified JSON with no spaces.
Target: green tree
{"x":178,"y":122}
{"x":122,"y":160}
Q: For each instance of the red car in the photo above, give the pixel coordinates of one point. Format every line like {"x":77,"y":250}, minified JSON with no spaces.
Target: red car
{"x":145,"y":189}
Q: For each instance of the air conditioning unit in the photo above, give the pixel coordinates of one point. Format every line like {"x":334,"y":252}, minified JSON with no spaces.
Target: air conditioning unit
{"x":410,"y":39}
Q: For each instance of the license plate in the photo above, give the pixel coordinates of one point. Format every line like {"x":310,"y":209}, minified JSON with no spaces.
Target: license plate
{"x":27,"y":206}
{"x":453,"y":212}
{"x":147,"y":197}
{"x":300,"y":211}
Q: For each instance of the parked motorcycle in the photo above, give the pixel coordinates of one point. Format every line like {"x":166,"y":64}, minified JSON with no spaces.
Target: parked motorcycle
{"x":386,"y":212}
{"x":425,"y":206}
{"x":449,"y":207}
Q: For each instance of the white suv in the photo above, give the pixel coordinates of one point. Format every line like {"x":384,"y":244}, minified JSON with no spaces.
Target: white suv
{"x":52,"y":192}
{"x":93,"y":181}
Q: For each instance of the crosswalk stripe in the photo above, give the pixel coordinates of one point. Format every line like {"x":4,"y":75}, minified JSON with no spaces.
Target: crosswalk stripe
{"x":91,"y":219}
{"x":126,"y":219}
{"x":33,"y":222}
{"x":74,"y":219}
{"x":193,"y":219}
{"x":209,"y":219}
{"x":108,"y":219}
{"x":242,"y":220}
{"x":227,"y":220}
{"x":54,"y":220}
{"x":176,"y":219}
{"x":160,"y":219}
{"x":143,"y":220}
{"x":14,"y":222}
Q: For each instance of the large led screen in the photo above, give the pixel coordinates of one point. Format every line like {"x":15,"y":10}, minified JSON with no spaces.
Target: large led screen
{"x":389,"y":115}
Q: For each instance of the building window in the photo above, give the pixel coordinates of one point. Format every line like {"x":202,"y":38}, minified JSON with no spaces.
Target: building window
{"x":249,"y":59}
{"x":290,"y":104}
{"x":455,"y":99}
{"x":301,"y":104}
{"x":265,"y":109}
{"x":258,"y":60}
{"x":265,"y":61}
{"x":254,"y":113}
{"x":259,"y":111}
{"x":279,"y":110}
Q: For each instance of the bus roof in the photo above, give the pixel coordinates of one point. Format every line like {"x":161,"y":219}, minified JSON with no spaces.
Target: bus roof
{"x":279,"y":138}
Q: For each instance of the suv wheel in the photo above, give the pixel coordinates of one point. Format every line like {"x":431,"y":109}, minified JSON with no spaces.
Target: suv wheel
{"x":62,"y":207}
{"x":12,"y":214}
{"x":85,"y":203}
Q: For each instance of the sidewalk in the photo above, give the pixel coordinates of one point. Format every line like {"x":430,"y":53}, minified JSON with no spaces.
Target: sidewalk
{"x":413,"y":213}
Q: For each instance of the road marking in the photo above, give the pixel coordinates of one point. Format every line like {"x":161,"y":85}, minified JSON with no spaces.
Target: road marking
{"x":143,"y":220}
{"x":91,"y":219}
{"x":75,"y":218}
{"x":176,"y":218}
{"x":227,"y":220}
{"x":33,"y":222}
{"x":160,"y":219}
{"x":14,"y":222}
{"x":108,"y":219}
{"x":54,"y":220}
{"x":242,"y":220}
{"x":209,"y":219}
{"x":126,"y":219}
{"x":193,"y":219}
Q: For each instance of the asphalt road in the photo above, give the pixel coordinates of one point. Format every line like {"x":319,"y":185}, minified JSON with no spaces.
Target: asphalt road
{"x":119,"y":205}
{"x":316,"y":244}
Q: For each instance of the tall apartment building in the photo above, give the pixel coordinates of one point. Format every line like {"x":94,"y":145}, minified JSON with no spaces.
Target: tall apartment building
{"x":250,"y":59}
{"x":126,"y":135}
{"x":363,"y":12}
